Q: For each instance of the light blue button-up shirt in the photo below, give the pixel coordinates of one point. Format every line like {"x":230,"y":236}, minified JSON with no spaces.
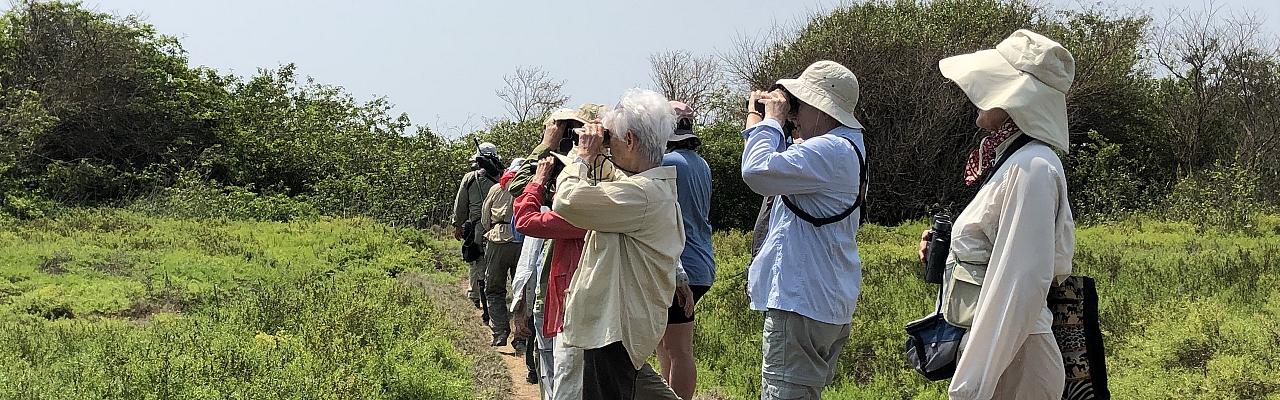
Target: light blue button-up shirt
{"x":808,"y":270}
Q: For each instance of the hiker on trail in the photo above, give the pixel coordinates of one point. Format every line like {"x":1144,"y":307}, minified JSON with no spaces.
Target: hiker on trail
{"x":534,"y":186}
{"x":693,"y":183}
{"x":1017,"y":235}
{"x":466,"y":211}
{"x":807,"y":275}
{"x":616,"y":308}
{"x":501,"y":252}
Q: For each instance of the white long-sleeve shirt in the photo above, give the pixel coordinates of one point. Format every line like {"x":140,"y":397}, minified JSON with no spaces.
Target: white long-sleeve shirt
{"x":1020,"y":224}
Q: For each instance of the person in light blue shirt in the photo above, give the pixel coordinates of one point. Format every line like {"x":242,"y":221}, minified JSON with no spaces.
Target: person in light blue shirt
{"x":693,"y":193}
{"x":807,"y":274}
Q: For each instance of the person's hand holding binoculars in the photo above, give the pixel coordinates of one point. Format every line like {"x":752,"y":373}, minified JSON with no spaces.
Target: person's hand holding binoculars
{"x":552,"y":132}
{"x":543,"y":173}
{"x":591,"y":140}
{"x":775,"y":105}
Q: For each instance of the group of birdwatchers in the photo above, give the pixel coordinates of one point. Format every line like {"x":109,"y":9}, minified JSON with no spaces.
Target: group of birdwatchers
{"x":591,"y":253}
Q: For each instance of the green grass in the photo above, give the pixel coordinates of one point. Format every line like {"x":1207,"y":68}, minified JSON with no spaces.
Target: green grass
{"x":114,"y":304}
{"x":1186,"y":315}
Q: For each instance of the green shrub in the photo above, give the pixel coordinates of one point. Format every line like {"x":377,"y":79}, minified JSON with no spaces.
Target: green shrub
{"x":1226,"y":196}
{"x":26,"y":205}
{"x":193,"y":197}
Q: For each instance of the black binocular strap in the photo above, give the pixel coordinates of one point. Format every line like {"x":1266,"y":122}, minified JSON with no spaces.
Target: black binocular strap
{"x":862,"y":195}
{"x":1018,"y":142}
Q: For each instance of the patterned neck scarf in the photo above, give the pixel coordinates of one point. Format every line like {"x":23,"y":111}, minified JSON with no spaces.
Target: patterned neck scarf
{"x":981,"y":158}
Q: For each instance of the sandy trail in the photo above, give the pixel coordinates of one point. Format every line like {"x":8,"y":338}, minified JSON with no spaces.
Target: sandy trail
{"x":520,"y":388}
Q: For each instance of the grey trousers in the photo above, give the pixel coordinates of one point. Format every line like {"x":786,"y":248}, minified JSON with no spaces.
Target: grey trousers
{"x":800,"y":355}
{"x":501,"y":259}
{"x":475,"y":272}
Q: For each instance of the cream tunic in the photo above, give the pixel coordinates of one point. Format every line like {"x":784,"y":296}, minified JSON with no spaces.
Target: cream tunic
{"x":1020,"y":225}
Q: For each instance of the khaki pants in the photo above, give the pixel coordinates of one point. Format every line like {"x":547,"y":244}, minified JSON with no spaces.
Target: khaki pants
{"x":500,"y":259}
{"x":1036,"y":372}
{"x":800,"y":355}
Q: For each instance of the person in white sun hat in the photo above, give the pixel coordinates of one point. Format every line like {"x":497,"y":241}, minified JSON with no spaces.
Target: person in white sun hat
{"x":1017,"y":235}
{"x":807,"y":274}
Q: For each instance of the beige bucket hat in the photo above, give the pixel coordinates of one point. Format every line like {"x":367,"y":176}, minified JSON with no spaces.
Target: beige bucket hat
{"x":827,"y":86}
{"x":1027,"y":75}
{"x":584,"y":114}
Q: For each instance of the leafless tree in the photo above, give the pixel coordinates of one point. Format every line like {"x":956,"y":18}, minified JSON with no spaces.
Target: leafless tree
{"x":682,"y":76}
{"x":531,"y":92}
{"x":1229,"y":68}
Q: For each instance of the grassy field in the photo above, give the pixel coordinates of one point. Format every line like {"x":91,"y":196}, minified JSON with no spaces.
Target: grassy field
{"x":1186,"y":315}
{"x":117,"y":304}
{"x":113,"y":304}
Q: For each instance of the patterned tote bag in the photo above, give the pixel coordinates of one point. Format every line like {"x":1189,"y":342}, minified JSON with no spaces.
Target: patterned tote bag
{"x":1074,"y":303}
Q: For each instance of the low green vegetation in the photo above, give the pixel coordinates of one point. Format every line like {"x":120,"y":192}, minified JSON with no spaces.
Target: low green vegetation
{"x":109,"y":303}
{"x":1186,"y":315}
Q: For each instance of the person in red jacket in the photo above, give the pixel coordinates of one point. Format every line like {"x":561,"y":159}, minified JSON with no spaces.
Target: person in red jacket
{"x":566,"y":248}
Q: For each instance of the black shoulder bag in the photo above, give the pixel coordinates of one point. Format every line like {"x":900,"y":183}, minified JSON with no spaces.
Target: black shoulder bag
{"x":933,"y":345}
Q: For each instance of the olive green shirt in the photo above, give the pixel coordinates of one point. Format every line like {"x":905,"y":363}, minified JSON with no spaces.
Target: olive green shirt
{"x":468,"y":204}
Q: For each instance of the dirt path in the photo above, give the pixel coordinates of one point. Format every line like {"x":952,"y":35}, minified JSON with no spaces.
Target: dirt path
{"x":520,"y":388}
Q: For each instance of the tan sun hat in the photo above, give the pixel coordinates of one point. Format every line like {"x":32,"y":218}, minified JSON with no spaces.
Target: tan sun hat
{"x":1027,"y":75}
{"x":829,"y":87}
{"x":584,"y":114}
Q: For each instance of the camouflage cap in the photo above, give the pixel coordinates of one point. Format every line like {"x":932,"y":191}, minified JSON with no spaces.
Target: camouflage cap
{"x":584,"y":114}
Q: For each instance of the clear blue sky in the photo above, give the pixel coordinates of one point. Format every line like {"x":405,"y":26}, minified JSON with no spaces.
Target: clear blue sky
{"x":441,"y":61}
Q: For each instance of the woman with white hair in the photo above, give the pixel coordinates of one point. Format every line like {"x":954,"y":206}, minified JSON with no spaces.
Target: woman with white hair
{"x":1017,"y":235}
{"x":616,"y":308}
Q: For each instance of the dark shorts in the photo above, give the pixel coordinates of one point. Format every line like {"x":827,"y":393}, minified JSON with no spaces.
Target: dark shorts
{"x":675,"y":314}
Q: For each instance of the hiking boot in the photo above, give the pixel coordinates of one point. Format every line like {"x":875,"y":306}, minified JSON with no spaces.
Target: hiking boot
{"x":498,"y":341}
{"x":533,"y":378}
{"x":519,"y":346}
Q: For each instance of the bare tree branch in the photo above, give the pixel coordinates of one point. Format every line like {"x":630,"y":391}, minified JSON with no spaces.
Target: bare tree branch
{"x":681,"y":76}
{"x":531,"y":93}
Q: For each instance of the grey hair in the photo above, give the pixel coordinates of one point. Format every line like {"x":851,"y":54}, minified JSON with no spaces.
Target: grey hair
{"x":649,"y":116}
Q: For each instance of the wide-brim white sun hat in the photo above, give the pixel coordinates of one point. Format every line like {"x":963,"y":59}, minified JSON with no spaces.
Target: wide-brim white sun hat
{"x":1027,"y":75}
{"x":829,"y":87}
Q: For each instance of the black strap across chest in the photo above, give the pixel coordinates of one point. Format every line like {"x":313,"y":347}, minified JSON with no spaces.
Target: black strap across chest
{"x":1018,"y":142}
{"x":857,"y":203}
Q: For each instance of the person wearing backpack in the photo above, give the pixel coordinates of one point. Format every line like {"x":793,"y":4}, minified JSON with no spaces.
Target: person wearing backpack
{"x":807,"y":274}
{"x":467,"y":209}
{"x":1016,"y":237}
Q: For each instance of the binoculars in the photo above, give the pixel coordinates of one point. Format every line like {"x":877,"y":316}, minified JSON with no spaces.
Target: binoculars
{"x":570,"y":138}
{"x":939,"y":246}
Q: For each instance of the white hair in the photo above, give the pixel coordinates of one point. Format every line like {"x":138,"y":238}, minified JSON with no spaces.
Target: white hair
{"x":649,"y":116}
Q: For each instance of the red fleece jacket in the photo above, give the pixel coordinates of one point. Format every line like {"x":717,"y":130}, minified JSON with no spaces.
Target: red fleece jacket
{"x":566,"y":249}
